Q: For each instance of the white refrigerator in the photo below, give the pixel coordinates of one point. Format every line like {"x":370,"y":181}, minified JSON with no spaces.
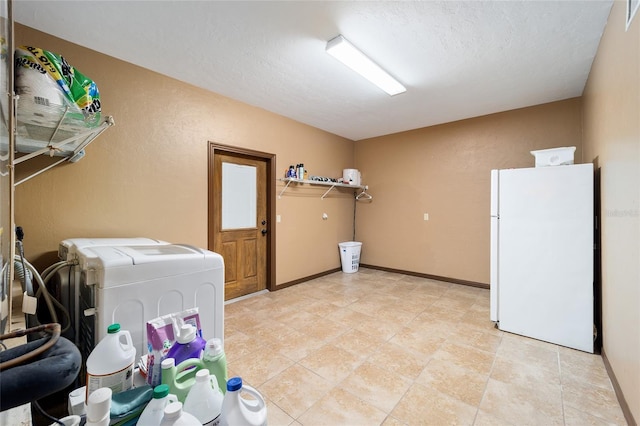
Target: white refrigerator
{"x":542,"y":237}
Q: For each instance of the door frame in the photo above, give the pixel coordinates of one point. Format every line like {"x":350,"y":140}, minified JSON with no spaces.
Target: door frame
{"x":270,"y":160}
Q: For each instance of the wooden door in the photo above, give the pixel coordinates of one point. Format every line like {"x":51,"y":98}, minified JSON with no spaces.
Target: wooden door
{"x":240,"y":222}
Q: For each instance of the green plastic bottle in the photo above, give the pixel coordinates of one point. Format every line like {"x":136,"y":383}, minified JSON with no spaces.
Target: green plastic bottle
{"x":215,"y":361}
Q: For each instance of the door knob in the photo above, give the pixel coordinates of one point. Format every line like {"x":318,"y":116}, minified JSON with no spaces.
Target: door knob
{"x":264,"y":222}
{"x":264,"y":232}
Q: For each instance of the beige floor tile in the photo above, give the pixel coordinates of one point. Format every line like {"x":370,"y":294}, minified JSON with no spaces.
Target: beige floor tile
{"x":296,"y":345}
{"x":322,"y":308}
{"x":486,"y":419}
{"x":399,"y":360}
{"x":340,"y":407}
{"x":454,"y":301}
{"x":256,"y":368}
{"x":424,"y":342}
{"x":379,"y":387}
{"x":594,"y":400}
{"x":574,"y":417}
{"x":422,"y":405}
{"x":392,"y":421}
{"x":238,"y":344}
{"x":373,"y":326}
{"x":349,"y":317}
{"x":358,"y":343}
{"x":297,"y":319}
{"x":268,"y":330}
{"x":295,"y":390}
{"x":276,"y":416}
{"x":466,"y":385}
{"x":466,"y":357}
{"x":376,"y":347}
{"x":331,"y":362}
{"x":540,"y":404}
{"x":515,"y":371}
{"x":584,"y":367}
{"x":530,"y":351}
{"x":325,"y":330}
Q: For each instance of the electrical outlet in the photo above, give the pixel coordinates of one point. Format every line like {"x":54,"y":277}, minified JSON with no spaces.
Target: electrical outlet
{"x":278,"y":218}
{"x":325,"y":216}
{"x":426,"y":216}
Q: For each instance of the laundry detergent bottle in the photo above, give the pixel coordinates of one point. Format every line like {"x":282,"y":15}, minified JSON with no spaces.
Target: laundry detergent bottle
{"x":174,"y":415}
{"x":239,"y":411}
{"x":215,"y":361}
{"x":111,"y":362}
{"x":204,"y":399}
{"x":187,"y":345}
{"x":154,"y":411}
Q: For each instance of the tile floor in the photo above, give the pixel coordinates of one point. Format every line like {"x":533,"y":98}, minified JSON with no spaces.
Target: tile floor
{"x":376,"y":348}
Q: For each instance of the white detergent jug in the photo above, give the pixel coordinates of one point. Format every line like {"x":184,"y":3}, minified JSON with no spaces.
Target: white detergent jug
{"x":204,"y":399}
{"x":154,"y":411}
{"x":111,"y":363}
{"x":239,"y":411}
{"x":174,"y":415}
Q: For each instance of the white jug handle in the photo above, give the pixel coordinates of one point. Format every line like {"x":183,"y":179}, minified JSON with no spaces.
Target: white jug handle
{"x":256,"y":405}
{"x":129,"y":341}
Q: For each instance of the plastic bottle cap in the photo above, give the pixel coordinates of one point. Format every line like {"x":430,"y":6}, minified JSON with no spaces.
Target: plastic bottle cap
{"x":168,"y":363}
{"x":160,"y":391}
{"x":99,"y":404}
{"x":234,"y":384}
{"x":202,"y":375}
{"x":173,"y":410}
{"x":186,"y":334}
{"x":113,"y":328}
{"x":214,"y":346}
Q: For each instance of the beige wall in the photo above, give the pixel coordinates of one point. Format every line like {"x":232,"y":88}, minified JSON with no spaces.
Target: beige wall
{"x":612,"y":141}
{"x":147,"y":175}
{"x":445,"y":171}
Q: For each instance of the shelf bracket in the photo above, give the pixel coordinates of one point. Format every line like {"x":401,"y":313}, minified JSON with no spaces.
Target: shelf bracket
{"x":284,"y":189}
{"x":328,"y":191}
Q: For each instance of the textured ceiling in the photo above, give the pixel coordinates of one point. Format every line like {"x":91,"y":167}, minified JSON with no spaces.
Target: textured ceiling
{"x":457,"y":59}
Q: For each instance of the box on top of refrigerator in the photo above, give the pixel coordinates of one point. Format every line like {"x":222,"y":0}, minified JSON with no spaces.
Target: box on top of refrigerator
{"x":554,"y":156}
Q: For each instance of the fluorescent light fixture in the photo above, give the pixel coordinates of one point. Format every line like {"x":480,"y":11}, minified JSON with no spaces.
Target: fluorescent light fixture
{"x":340,"y":48}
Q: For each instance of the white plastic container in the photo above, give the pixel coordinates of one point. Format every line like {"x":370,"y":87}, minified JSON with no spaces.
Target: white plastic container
{"x":350,"y":256}
{"x":174,"y":415}
{"x":111,"y":363}
{"x":351,"y":176}
{"x":204,"y":399}
{"x":554,"y":156}
{"x":239,"y":411}
{"x":99,"y":407}
{"x":215,"y":361}
{"x":154,"y":411}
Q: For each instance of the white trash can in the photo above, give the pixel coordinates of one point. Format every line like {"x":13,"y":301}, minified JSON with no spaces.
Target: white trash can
{"x":350,"y":256}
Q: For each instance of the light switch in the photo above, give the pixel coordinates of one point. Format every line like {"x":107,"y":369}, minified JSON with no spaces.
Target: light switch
{"x":278,"y":218}
{"x":325,"y":216}
{"x":426,"y":216}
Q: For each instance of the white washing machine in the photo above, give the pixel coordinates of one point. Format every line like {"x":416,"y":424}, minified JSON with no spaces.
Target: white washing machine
{"x":131,"y":285}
